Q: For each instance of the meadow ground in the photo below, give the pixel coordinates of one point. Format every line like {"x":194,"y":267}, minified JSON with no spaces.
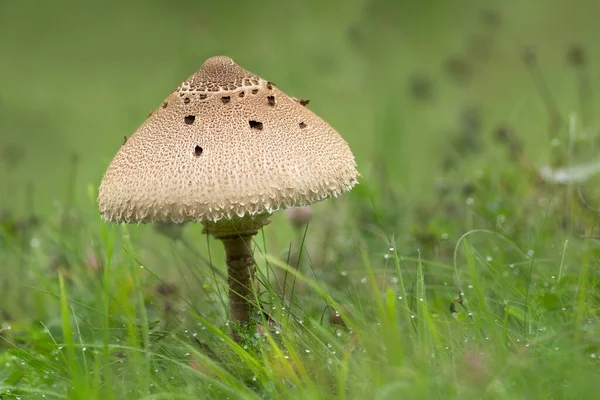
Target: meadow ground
{"x":453,"y":270}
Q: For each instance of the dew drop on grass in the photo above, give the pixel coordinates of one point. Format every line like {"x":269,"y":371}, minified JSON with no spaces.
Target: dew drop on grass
{"x":141,"y":266}
{"x":399,"y":297}
{"x":339,"y":333}
{"x":187,"y":354}
{"x":420,"y":299}
{"x":344,"y":273}
{"x":444,"y":236}
{"x":84,"y":348}
{"x":254,"y":378}
{"x":363,"y":279}
{"x":194,"y":334}
{"x":593,"y":355}
{"x":470,"y":201}
{"x":470,"y":286}
{"x":392,"y":249}
{"x":307,"y":351}
{"x":277,"y":332}
{"x":488,"y":259}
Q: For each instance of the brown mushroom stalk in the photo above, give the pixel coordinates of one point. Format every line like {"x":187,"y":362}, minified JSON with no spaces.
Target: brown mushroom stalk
{"x":226,"y":148}
{"x":241,"y":273}
{"x":236,"y":235}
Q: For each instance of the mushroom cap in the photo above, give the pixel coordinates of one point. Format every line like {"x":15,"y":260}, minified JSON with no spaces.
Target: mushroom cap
{"x":224,"y":144}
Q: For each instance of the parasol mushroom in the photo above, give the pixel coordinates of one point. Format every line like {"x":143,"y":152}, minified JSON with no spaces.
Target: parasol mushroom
{"x":226,"y":148}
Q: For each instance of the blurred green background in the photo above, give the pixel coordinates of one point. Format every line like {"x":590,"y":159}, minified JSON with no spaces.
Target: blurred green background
{"x":393,"y":77}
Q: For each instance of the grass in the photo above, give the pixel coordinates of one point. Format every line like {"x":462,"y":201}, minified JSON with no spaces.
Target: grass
{"x":452,"y":271}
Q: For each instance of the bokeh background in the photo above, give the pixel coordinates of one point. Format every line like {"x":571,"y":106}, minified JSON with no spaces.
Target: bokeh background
{"x":451,"y":108}
{"x":398,"y":79}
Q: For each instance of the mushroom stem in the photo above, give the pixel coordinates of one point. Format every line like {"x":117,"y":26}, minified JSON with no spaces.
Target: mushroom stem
{"x":241,"y":272}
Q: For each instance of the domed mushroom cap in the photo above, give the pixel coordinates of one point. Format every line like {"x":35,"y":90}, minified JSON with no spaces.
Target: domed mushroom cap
{"x":225,"y":144}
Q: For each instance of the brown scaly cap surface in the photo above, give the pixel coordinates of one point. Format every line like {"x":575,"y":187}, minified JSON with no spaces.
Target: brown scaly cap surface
{"x":225,"y":144}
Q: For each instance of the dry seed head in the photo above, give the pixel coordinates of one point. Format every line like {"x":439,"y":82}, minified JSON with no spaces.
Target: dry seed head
{"x":576,"y":55}
{"x":225,"y":144}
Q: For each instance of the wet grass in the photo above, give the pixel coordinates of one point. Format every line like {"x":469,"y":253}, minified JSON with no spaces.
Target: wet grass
{"x":452,"y":270}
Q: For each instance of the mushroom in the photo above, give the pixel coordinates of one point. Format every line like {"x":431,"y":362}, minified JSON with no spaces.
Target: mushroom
{"x":226,"y":148}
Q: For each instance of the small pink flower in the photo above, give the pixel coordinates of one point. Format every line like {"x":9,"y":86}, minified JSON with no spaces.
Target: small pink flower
{"x":300,"y":216}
